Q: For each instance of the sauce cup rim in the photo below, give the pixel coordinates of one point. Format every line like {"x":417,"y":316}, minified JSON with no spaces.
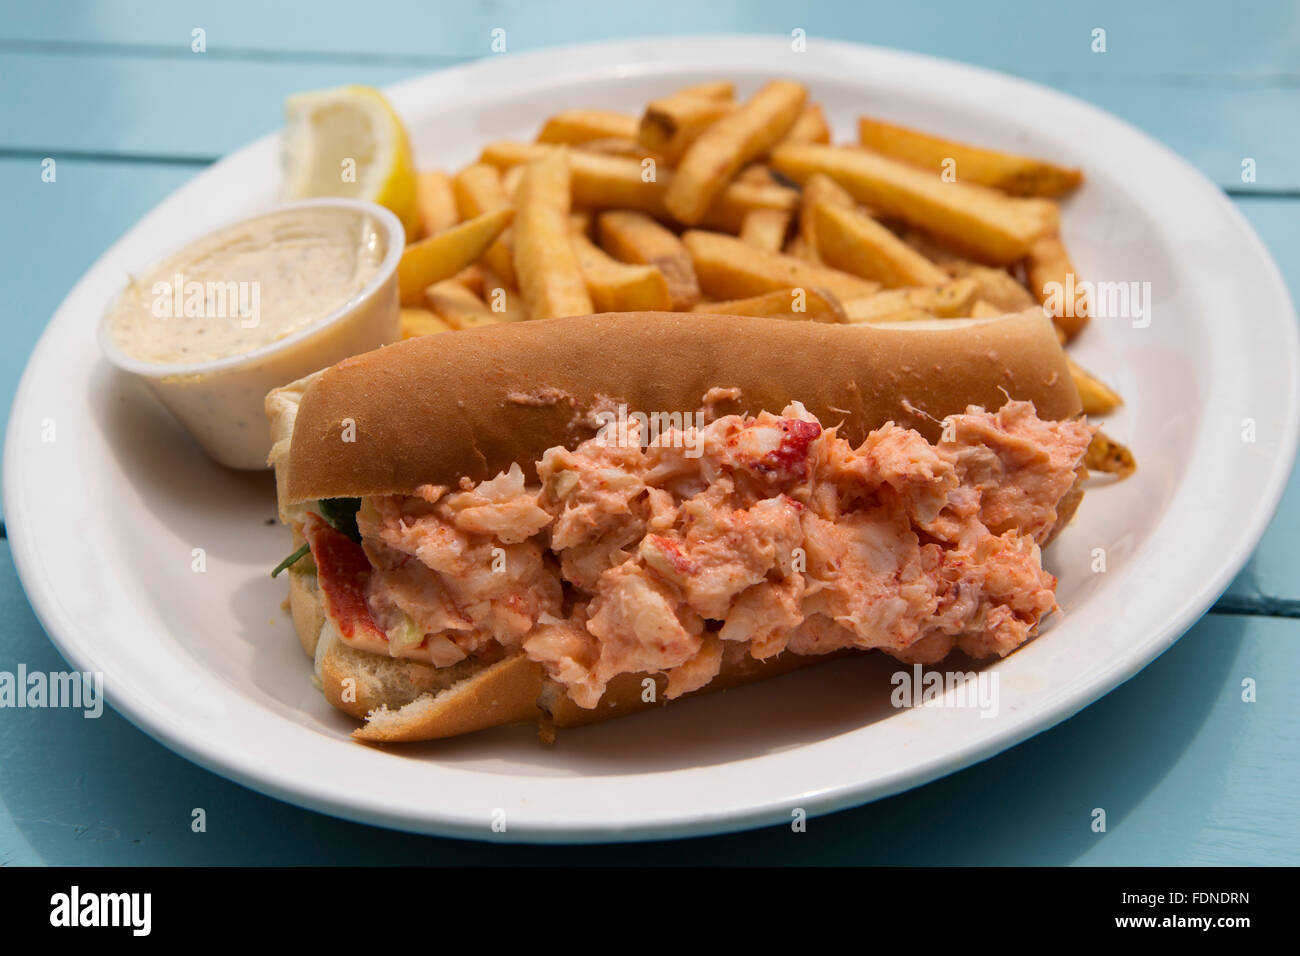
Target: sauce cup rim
{"x":396,"y":243}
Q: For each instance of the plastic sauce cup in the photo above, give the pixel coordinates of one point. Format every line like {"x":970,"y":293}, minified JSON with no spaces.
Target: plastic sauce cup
{"x":220,"y":402}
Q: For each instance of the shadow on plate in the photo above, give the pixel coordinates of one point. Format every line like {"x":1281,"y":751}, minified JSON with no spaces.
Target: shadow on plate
{"x":175,"y":480}
{"x":806,"y":707}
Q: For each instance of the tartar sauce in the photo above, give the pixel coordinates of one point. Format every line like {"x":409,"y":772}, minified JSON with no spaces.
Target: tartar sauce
{"x":254,"y":306}
{"x":248,"y":285}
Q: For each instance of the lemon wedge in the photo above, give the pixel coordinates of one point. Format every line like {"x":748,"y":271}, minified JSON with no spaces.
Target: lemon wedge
{"x":349,"y":143}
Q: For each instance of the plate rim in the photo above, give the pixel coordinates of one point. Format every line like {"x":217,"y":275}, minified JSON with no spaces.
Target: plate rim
{"x":683,"y":57}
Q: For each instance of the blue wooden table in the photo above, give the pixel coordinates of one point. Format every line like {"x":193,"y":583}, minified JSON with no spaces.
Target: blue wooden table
{"x":1188,"y":772}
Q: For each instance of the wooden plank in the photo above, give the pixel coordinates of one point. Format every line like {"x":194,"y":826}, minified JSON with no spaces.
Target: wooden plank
{"x":55,"y":233}
{"x":1206,"y":779}
{"x":200,"y":108}
{"x":1201,"y":37}
{"x":1214,"y":124}
{"x":1270,"y":580}
{"x":204,"y":108}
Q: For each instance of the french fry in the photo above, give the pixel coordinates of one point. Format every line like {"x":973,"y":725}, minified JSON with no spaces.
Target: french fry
{"x":765,"y":228}
{"x":810,"y":127}
{"x":617,"y":182}
{"x":816,"y":305}
{"x":510,"y":180}
{"x":478,"y":190}
{"x":796,"y":247}
{"x":416,"y":322}
{"x":1007,"y":172}
{"x":619,"y":146}
{"x":507,"y":153}
{"x":1049,"y":210}
{"x":581,"y":126}
{"x":614,"y":182}
{"x":947,"y":299}
{"x":503,"y":299}
{"x":635,"y":237}
{"x":1097,"y":397}
{"x":982,"y":309}
{"x":550,"y":278}
{"x":818,"y":189}
{"x":934,"y":250}
{"x":580,"y":221}
{"x":471,"y":277}
{"x":710,"y":90}
{"x":616,"y":286}
{"x":974,"y":219}
{"x":821,"y":188}
{"x":750,"y":132}
{"x":1108,"y":456}
{"x":672,"y":123}
{"x":442,"y":255}
{"x":848,"y":240}
{"x":730,"y":269}
{"x":757,"y":174}
{"x":739,"y":199}
{"x":434,"y":199}
{"x":457,"y":306}
{"x":997,"y":287}
{"x":1049,"y":271}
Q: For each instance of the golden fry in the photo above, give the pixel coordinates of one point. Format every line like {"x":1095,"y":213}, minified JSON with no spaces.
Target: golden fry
{"x":710,"y":90}
{"x":434,"y":199}
{"x":739,"y":199}
{"x":997,"y":287}
{"x":471,"y":277}
{"x":635,"y":237}
{"x":441,"y":256}
{"x":982,"y":309}
{"x":949,"y":298}
{"x":818,"y":189}
{"x":816,"y":305}
{"x":757,"y":174}
{"x":582,"y":126}
{"x":1108,"y":456}
{"x":547,"y":267}
{"x":1051,"y":278}
{"x":810,"y":127}
{"x":749,"y":133}
{"x":503,"y":298}
{"x":618,"y":146}
{"x":1097,"y":397}
{"x":797,"y":248}
{"x":617,"y":182}
{"x":848,"y":240}
{"x":457,"y":306}
{"x":979,"y":221}
{"x":478,"y":190}
{"x":616,"y":286}
{"x":765,"y":228}
{"x":1007,"y":172}
{"x":730,"y":269}
{"x":510,"y":177}
{"x":671,"y":124}
{"x":416,"y":322}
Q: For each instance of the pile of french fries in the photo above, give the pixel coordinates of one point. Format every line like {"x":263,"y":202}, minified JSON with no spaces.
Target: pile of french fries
{"x":706,"y":203}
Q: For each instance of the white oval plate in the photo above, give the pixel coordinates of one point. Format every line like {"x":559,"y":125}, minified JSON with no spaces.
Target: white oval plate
{"x":105,"y":520}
